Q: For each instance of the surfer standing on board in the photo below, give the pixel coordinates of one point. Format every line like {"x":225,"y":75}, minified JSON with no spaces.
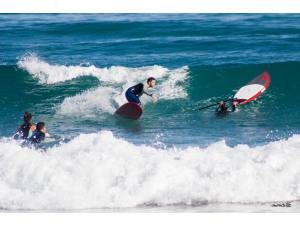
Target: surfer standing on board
{"x":134,"y":93}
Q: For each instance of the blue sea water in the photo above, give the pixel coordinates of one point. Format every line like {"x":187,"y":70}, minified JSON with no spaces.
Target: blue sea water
{"x":72,"y":70}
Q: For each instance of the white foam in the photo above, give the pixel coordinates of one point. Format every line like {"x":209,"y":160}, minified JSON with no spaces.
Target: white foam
{"x":114,"y":82}
{"x":89,"y":103}
{"x":51,"y":73}
{"x":99,"y":170}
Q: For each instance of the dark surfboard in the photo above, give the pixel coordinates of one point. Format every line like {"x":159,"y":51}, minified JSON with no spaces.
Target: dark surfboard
{"x":130,"y":110}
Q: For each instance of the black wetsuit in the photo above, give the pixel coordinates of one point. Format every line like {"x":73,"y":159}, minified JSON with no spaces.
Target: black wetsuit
{"x":23,"y":131}
{"x":133,"y":93}
{"x":224,"y":109}
{"x":37,"y":137}
{"x":233,"y":108}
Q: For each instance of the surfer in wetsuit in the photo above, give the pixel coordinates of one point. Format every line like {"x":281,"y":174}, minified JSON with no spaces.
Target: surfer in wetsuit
{"x":223,"y":108}
{"x":39,"y":134}
{"x":134,"y":93}
{"x":234,"y":104}
{"x":26,"y":129}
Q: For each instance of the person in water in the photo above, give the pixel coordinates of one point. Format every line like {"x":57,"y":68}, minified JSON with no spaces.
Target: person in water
{"x":39,"y":134}
{"x":223,"y":108}
{"x":134,"y":93}
{"x":27,"y":128}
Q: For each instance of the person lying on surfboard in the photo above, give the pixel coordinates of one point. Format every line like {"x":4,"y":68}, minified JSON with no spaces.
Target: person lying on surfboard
{"x":134,"y":93}
{"x":223,"y":108}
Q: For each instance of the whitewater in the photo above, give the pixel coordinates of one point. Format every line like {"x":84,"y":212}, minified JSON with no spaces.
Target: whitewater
{"x":100,"y":170}
{"x":114,"y":82}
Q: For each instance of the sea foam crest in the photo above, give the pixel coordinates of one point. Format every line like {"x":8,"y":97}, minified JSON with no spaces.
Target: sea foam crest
{"x":100,"y":170}
{"x":113,"y":83}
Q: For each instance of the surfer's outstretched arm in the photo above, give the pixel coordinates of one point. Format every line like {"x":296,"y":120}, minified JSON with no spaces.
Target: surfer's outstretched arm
{"x":146,"y":93}
{"x":154,"y":98}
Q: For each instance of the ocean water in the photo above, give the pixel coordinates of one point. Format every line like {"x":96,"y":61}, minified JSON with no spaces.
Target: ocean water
{"x":72,"y":70}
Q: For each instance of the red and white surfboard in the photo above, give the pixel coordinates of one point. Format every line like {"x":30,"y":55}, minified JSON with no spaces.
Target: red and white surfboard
{"x":253,"y":89}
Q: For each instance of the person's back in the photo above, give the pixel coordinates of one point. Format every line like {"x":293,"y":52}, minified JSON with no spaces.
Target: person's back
{"x":137,"y":89}
{"x":26,"y":129}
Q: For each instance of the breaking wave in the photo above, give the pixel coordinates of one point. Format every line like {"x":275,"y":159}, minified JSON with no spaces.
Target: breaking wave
{"x":101,"y":170}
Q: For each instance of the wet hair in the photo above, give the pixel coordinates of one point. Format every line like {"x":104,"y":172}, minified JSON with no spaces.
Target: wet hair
{"x":40,"y":126}
{"x":27,"y":117}
{"x":150,"y":79}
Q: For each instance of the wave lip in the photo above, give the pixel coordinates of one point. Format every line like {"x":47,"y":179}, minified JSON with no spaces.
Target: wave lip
{"x":100,"y":170}
{"x":113,"y":83}
{"x":47,"y":73}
